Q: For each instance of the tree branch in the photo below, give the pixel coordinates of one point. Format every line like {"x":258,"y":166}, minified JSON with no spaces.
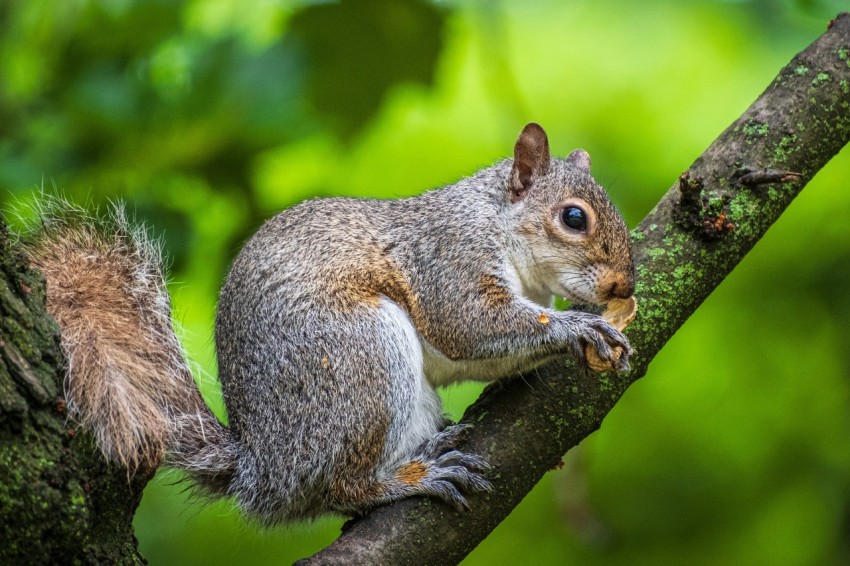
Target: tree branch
{"x":699,"y":231}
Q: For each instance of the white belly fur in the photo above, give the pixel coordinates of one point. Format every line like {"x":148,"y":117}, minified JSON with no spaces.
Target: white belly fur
{"x":440,"y":370}
{"x":415,"y":407}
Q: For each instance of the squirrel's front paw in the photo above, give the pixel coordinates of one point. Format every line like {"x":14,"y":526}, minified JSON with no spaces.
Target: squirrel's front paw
{"x":604,"y":347}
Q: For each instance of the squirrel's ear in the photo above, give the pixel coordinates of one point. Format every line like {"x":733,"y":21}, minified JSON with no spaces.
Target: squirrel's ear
{"x":531,"y":159}
{"x":579,"y":158}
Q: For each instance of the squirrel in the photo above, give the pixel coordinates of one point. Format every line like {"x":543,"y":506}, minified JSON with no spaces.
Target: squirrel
{"x":336,"y":322}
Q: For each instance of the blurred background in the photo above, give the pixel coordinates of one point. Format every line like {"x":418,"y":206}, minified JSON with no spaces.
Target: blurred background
{"x":209,"y":116}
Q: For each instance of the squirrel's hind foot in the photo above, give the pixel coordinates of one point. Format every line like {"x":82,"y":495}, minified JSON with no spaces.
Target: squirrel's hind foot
{"x":443,"y":472}
{"x":435,"y":469}
{"x":447,"y":478}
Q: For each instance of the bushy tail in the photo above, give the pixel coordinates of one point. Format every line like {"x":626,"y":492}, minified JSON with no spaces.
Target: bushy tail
{"x":127,"y":379}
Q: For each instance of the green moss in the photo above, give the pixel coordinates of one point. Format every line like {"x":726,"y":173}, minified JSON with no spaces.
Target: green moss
{"x":12,"y":304}
{"x":844,"y":55}
{"x":655,"y":253}
{"x":715,"y":205}
{"x":19,"y":335}
{"x":756,"y":129}
{"x":801,"y":69}
{"x":784,"y":148}
{"x":559,"y":423}
{"x":821,"y":78}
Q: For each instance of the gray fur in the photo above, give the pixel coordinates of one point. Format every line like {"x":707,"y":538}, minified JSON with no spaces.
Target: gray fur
{"x":299,"y":293}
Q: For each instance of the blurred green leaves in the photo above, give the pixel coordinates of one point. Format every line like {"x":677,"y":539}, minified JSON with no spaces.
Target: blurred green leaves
{"x":351,"y":67}
{"x":90,"y":90}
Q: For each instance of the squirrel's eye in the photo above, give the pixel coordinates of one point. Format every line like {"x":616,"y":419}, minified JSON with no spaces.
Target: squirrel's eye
{"x":574,"y":218}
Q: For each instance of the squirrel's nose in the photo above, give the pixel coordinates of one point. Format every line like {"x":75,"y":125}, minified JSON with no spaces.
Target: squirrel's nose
{"x":620,"y":288}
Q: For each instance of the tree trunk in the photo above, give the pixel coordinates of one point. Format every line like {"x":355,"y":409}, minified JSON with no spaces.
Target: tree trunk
{"x":60,"y":503}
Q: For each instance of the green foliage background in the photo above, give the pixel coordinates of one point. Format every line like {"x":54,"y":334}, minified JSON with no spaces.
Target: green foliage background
{"x":208,"y":116}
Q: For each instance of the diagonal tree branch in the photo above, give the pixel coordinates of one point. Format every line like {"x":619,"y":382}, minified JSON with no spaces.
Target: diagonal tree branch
{"x":699,"y":231}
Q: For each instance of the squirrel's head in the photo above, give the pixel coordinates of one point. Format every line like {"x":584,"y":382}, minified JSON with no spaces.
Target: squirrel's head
{"x":571,"y":241}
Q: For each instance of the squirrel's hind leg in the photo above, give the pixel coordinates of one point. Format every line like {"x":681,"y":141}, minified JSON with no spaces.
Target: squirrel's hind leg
{"x":418,"y":458}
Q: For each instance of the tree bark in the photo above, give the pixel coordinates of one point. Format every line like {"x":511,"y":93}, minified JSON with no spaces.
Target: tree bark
{"x":60,"y":503}
{"x":699,"y":231}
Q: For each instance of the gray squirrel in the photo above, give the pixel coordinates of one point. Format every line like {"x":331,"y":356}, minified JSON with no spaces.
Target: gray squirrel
{"x":336,"y":322}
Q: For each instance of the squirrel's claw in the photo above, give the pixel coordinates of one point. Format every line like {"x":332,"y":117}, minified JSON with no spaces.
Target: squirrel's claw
{"x":449,"y":471}
{"x":606,"y":348}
